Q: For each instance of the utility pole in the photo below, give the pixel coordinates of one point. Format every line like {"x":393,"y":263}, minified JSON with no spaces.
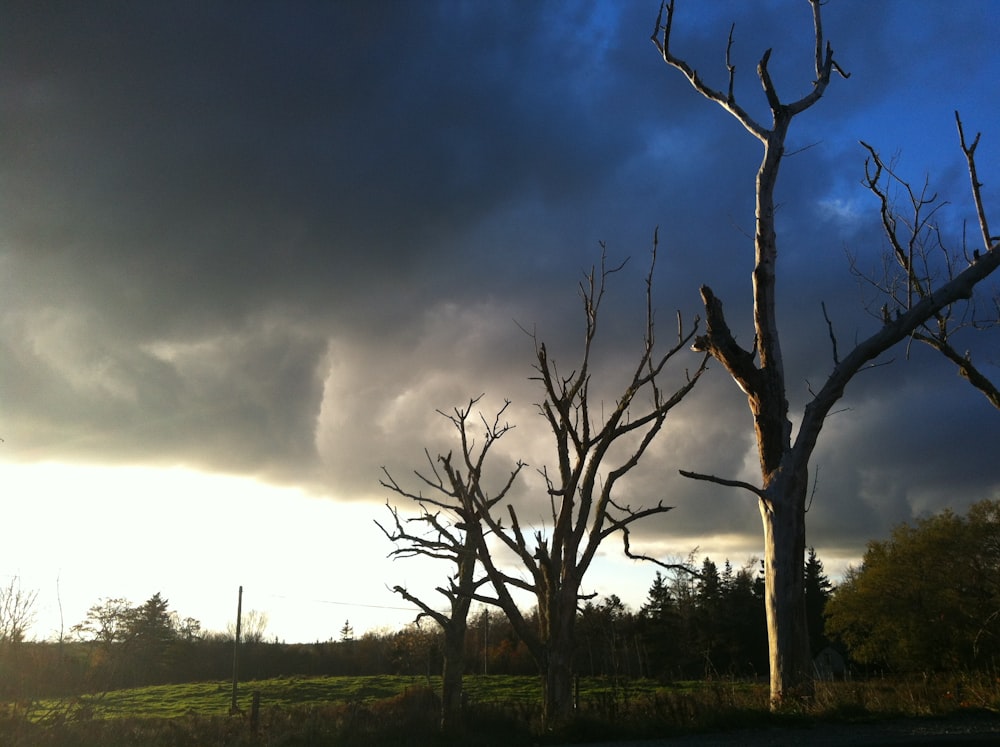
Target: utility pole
{"x":233,"y":708}
{"x":486,"y":640}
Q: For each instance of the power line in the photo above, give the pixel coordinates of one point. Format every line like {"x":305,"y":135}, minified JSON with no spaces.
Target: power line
{"x":343,"y":604}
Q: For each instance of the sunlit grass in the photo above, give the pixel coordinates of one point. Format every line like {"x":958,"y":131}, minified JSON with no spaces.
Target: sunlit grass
{"x":215,"y":698}
{"x":502,"y":710}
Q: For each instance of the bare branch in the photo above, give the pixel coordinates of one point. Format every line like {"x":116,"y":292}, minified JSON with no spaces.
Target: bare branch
{"x":727,"y":102}
{"x":425,"y":609}
{"x":833,"y":337}
{"x":966,"y":368}
{"x":719,"y":342}
{"x":914,"y":238}
{"x":723,"y":481}
{"x":667,"y":566}
{"x":977,"y":197}
{"x":730,"y":99}
{"x":631,"y":516}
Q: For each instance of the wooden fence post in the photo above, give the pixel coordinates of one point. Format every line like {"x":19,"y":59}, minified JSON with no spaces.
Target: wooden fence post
{"x":255,"y":712}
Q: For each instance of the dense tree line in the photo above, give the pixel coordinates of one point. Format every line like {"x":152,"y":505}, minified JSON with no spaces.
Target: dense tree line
{"x":697,"y":622}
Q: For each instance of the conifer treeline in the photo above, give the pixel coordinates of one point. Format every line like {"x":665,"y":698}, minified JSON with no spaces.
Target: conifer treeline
{"x":696,"y":622}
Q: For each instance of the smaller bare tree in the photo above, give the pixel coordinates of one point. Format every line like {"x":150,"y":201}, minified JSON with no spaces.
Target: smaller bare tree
{"x":17,"y":611}
{"x":447,"y":529}
{"x":253,"y":626}
{"x":919,"y":256}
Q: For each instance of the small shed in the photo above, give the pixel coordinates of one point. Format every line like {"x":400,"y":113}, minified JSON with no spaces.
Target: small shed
{"x":830,"y":665}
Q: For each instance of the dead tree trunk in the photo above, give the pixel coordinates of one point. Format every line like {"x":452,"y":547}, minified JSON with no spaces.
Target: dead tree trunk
{"x":759,"y":372}
{"x":558,"y":702}
{"x":783,"y":517}
{"x":453,"y":673}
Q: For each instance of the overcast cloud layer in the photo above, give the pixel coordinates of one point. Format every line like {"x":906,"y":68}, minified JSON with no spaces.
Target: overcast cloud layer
{"x":273,"y":238}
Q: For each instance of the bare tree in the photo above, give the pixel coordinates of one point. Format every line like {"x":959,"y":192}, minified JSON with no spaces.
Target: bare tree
{"x":919,"y":254}
{"x":759,"y":372}
{"x":17,"y":611}
{"x":450,"y":525}
{"x":253,"y":626}
{"x":580,"y":490}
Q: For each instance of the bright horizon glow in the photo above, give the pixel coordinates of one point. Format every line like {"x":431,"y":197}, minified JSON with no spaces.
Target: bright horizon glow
{"x":78,"y":534}
{"x":93,"y":532}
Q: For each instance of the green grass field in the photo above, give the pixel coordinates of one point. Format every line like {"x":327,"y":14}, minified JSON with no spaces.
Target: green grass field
{"x":214,"y":698}
{"x":379,"y":711}
{"x":299,"y":710}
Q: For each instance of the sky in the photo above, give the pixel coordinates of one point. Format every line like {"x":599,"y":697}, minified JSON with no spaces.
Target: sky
{"x":248,"y":250}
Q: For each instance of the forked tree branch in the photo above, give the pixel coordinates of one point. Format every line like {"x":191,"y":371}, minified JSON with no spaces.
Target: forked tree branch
{"x":626,"y":542}
{"x":825,"y":65}
{"x":977,"y":197}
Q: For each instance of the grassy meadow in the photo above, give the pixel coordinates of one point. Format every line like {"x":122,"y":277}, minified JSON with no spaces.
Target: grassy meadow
{"x":502,"y":710}
{"x":215,"y":698}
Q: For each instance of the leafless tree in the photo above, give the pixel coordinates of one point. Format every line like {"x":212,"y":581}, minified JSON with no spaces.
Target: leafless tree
{"x":581,"y":488}
{"x":253,"y":626}
{"x":918,"y":254}
{"x":448,"y":529}
{"x":759,"y":372}
{"x":17,"y":611}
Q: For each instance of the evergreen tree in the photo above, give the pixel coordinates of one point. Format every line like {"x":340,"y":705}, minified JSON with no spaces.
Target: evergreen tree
{"x":818,"y":590}
{"x":347,"y":632}
{"x":658,"y":598}
{"x":665,"y":623}
{"x":709,"y":583}
{"x":708,"y":637}
{"x":151,"y":630}
{"x":743,"y":627}
{"x":705,"y":623}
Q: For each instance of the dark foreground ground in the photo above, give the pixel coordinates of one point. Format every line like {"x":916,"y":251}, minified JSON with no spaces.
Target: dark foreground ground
{"x":969,"y":730}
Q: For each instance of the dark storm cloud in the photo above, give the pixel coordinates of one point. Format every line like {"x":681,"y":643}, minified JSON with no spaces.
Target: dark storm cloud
{"x":273,"y":238}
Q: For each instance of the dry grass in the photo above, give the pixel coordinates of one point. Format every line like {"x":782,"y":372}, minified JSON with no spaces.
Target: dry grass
{"x":410,"y":716}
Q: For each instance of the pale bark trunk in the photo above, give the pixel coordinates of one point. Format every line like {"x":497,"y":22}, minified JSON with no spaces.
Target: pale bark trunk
{"x":783,"y":518}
